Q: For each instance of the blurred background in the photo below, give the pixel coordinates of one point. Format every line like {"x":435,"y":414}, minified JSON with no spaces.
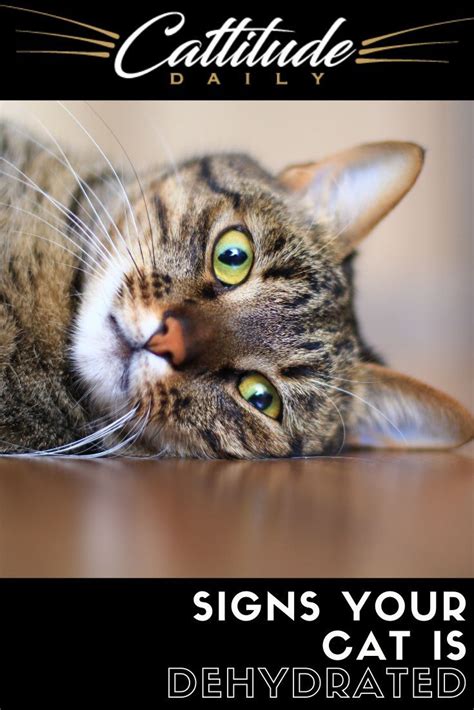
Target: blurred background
{"x":414,"y":273}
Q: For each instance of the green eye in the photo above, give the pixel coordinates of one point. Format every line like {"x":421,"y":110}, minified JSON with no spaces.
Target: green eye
{"x":260,"y":393}
{"x":233,"y":257}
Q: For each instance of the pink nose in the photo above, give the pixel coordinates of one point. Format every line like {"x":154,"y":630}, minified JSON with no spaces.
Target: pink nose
{"x":169,"y":341}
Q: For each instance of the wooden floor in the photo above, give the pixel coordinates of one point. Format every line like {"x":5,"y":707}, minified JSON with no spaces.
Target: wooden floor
{"x":367,"y":514}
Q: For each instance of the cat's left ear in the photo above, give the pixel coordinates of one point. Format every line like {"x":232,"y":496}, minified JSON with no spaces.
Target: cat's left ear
{"x":391,"y":410}
{"x":355,"y":189}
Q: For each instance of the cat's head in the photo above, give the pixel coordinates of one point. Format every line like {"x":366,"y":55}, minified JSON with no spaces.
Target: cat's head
{"x":219,"y":304}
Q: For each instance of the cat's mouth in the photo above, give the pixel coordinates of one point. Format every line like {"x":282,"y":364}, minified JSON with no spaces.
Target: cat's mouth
{"x":124,"y":349}
{"x":126,"y":352}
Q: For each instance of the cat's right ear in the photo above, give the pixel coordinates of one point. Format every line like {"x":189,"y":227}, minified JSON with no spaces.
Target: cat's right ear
{"x":355,"y":189}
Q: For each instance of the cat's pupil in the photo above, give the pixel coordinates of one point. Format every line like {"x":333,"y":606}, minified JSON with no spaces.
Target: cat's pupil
{"x":261,"y":400}
{"x":233,"y":256}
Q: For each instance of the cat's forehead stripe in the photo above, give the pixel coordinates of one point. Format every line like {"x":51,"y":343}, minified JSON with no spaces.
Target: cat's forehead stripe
{"x":162,"y":214}
{"x":214,"y":185}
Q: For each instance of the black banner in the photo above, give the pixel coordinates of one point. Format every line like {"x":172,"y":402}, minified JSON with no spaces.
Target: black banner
{"x":265,"y":643}
{"x":173,"y":50}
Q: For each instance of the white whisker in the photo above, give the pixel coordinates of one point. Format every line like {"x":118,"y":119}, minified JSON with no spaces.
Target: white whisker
{"x":346,"y":379}
{"x":372,"y":406}
{"x":57,"y":244}
{"x":127,"y":156}
{"x":91,"y":438}
{"x":79,"y":182}
{"x":89,"y":235}
{"x":127,"y":200}
{"x":50,"y":152}
{"x":135,"y":433}
{"x":167,"y":150}
{"x":35,"y":216}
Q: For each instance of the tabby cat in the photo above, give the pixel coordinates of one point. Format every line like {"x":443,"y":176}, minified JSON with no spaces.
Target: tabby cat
{"x":202,"y":311}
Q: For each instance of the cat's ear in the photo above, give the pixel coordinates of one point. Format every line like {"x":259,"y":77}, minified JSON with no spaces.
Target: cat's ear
{"x":355,"y":189}
{"x":401,"y":412}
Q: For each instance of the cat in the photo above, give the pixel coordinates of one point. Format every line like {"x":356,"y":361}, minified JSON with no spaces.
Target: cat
{"x":201,"y":311}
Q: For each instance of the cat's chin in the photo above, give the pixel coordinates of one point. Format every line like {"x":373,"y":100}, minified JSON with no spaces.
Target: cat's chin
{"x":116,"y":379}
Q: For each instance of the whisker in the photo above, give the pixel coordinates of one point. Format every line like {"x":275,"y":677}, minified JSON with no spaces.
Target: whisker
{"x":113,"y":450}
{"x":83,"y":128}
{"x":89,"y":234}
{"x":71,"y":266}
{"x":328,"y":242}
{"x":406,"y":61}
{"x":73,"y":229}
{"x":73,"y":216}
{"x":36,"y":216}
{"x":402,"y":46}
{"x":57,"y":244}
{"x":335,"y":236}
{"x":79,"y":182}
{"x":346,"y":379}
{"x":108,"y":33}
{"x":100,"y":433}
{"x":135,"y":433}
{"x":127,"y":223}
{"x":94,"y":55}
{"x":373,"y":40}
{"x":99,"y":42}
{"x":372,"y":406}
{"x":106,"y":417}
{"x":167,"y":150}
{"x":50,"y":152}
{"x":86,"y":443}
{"x":125,"y":152}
